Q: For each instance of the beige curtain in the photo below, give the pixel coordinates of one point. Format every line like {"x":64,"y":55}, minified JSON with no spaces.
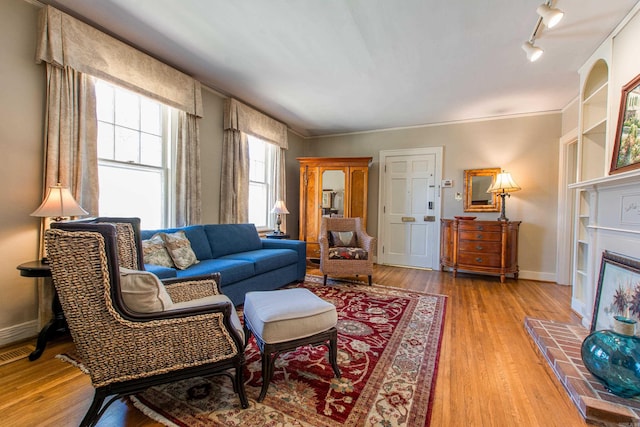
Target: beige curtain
{"x":240,"y":120}
{"x":188,"y":188}
{"x":234,"y":188}
{"x":71,"y":135}
{"x":66,"y":41}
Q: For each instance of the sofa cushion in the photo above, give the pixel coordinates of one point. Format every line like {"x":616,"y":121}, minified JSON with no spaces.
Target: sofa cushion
{"x":161,"y":272}
{"x":179,"y":248}
{"x":266,"y":259}
{"x":231,"y":270}
{"x":155,"y":252}
{"x":195,"y":234}
{"x":228,"y":239}
{"x":143,"y":292}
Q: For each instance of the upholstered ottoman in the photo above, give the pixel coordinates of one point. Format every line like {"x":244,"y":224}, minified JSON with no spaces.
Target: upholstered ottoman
{"x":285,"y":319}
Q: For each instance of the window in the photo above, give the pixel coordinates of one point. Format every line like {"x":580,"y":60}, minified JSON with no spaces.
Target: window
{"x":133,"y":155}
{"x":261,"y":182}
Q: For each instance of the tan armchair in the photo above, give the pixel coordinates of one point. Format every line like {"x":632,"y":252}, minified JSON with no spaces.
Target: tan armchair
{"x":340,"y":255}
{"x":127,"y":351}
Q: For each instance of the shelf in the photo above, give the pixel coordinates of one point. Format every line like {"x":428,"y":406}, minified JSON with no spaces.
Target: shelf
{"x":600,"y":127}
{"x":599,"y":95}
{"x":581,"y":273}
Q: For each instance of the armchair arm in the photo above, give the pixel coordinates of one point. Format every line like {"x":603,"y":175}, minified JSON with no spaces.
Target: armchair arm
{"x":169,"y":341}
{"x":186,"y":289}
{"x":366,"y":242}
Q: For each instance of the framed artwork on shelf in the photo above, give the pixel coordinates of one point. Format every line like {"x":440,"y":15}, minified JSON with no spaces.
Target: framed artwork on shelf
{"x":626,"y":146}
{"x":326,"y":199}
{"x":618,"y":291}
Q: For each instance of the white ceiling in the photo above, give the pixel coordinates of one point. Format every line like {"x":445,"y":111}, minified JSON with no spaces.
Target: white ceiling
{"x":334,"y":66}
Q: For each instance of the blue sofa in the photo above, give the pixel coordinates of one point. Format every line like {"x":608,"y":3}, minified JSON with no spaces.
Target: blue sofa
{"x":244,"y":260}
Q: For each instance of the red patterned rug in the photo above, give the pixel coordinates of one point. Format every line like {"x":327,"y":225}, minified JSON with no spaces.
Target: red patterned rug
{"x":388,"y":347}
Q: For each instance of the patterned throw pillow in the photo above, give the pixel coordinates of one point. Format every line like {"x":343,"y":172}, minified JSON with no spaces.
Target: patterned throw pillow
{"x":154,"y":252}
{"x":179,"y":249}
{"x":343,"y":239}
{"x":348,"y":253}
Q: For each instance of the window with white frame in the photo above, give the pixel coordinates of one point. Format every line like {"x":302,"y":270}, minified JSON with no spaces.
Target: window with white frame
{"x":134,"y":156}
{"x":261,"y":182}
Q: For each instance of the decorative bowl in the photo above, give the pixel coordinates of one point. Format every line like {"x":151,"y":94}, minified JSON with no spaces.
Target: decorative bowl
{"x":465,"y":218}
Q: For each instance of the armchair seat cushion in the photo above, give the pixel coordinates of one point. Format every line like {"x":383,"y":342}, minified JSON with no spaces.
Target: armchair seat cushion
{"x":340,"y":252}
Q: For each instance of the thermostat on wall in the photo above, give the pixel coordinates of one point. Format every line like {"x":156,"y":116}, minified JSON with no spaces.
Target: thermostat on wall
{"x":447,"y":183}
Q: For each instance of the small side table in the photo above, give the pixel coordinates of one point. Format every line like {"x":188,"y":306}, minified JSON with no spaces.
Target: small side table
{"x":277,"y":236}
{"x":58,"y":323}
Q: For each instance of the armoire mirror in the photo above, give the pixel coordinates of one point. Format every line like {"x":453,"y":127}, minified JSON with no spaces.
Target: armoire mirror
{"x":476,"y":184}
{"x":333,"y":192}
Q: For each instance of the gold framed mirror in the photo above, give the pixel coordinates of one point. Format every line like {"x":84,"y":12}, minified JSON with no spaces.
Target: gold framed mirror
{"x":476,"y":184}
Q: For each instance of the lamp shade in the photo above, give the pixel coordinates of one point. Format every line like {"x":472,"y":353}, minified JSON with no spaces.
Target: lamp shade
{"x":279,"y":208}
{"x":533,"y":52}
{"x":59,"y":203}
{"x":550,"y":16}
{"x":503,"y":183}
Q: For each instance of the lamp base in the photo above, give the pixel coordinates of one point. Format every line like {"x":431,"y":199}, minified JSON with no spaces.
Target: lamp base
{"x":502,"y":215}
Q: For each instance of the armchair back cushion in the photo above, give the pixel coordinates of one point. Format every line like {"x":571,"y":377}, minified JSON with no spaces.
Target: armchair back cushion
{"x":143,"y":292}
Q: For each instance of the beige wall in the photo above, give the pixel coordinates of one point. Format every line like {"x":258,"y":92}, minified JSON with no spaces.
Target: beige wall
{"x":21,"y":129}
{"x":21,"y":118}
{"x":525,"y":146}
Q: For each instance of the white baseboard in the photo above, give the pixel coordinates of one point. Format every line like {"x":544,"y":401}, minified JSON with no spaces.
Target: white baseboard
{"x":18,"y":332}
{"x":537,"y":275}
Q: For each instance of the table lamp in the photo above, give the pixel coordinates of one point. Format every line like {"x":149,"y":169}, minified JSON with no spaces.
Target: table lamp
{"x":59,"y":204}
{"x":503,"y":185}
{"x":280,"y":209}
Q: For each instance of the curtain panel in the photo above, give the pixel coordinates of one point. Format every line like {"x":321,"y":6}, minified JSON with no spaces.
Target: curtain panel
{"x":66,"y":41}
{"x":188,"y":185}
{"x":238,"y":121}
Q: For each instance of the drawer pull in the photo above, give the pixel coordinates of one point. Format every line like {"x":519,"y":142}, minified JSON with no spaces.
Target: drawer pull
{"x":479,"y":237}
{"x":478,"y":259}
{"x":479,"y":248}
{"x":481,"y":228}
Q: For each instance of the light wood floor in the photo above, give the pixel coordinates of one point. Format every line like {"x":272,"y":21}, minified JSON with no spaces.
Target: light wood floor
{"x":490,"y":373}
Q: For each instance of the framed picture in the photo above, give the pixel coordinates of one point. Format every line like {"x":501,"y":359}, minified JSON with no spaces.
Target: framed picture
{"x":626,"y":148}
{"x":618,"y":291}
{"x":326,"y":199}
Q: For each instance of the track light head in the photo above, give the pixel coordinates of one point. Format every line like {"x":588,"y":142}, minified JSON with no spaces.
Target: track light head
{"x":550,"y":16}
{"x":533,"y":52}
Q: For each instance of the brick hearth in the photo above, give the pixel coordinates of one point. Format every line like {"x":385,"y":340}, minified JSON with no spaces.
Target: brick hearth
{"x":560,"y":344}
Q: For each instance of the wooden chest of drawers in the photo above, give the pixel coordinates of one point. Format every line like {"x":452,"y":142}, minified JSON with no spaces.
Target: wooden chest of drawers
{"x":480,"y":246}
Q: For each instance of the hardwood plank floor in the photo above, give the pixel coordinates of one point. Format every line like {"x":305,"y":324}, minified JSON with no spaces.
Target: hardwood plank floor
{"x":490,"y":373}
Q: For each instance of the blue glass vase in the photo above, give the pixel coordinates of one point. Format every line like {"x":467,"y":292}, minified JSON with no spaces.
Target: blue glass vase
{"x":614,"y":358}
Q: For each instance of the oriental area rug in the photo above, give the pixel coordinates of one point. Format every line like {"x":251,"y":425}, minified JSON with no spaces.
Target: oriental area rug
{"x":388,"y":348}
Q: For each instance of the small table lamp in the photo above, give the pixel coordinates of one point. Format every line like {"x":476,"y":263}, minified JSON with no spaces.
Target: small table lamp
{"x":503,"y":185}
{"x":59,"y":204}
{"x":280,"y":209}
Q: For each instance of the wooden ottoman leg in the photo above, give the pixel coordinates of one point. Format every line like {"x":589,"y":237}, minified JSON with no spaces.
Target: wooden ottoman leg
{"x":333,"y":352}
{"x":268,"y":362}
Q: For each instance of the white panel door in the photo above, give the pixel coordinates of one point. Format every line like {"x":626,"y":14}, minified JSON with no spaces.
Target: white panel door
{"x":411,"y":233}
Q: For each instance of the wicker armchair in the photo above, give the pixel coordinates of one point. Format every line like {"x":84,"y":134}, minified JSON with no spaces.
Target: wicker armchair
{"x":126,"y":352}
{"x":353,"y":259}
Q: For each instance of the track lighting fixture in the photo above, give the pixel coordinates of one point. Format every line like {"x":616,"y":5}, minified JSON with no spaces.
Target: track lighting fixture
{"x":550,"y":16}
{"x":533,"y":52}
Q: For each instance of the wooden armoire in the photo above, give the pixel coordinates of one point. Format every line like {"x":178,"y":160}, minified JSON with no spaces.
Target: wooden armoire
{"x":331,"y":186}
